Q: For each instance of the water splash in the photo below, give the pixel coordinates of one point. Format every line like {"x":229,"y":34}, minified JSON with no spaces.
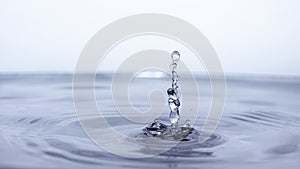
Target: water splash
{"x":174,"y":101}
{"x":174,"y":130}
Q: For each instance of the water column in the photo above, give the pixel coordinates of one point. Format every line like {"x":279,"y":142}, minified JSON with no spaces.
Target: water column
{"x":173,"y":100}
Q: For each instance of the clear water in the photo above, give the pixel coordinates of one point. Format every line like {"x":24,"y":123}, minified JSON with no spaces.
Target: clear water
{"x":260,"y":127}
{"x":174,"y":130}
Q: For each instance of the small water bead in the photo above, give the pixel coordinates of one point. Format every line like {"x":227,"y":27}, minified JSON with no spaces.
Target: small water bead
{"x":173,"y":65}
{"x":175,"y":55}
{"x":174,"y":73}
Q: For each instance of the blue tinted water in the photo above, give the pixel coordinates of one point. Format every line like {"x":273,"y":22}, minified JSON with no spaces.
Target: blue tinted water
{"x":260,"y":127}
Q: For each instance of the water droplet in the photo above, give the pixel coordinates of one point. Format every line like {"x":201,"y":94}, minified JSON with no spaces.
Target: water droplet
{"x":175,"y":56}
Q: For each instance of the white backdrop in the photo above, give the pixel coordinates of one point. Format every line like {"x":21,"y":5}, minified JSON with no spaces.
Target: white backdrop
{"x":250,"y":36}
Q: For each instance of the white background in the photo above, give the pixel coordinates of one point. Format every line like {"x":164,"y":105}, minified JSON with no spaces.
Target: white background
{"x":250,"y":36}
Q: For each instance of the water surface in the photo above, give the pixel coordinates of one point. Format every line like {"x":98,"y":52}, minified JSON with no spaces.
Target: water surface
{"x":260,"y":127}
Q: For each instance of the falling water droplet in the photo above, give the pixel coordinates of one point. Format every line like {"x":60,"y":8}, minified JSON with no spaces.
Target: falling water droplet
{"x":175,"y":56}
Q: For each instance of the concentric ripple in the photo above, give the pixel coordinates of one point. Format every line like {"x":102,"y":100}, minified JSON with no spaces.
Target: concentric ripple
{"x":39,"y":128}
